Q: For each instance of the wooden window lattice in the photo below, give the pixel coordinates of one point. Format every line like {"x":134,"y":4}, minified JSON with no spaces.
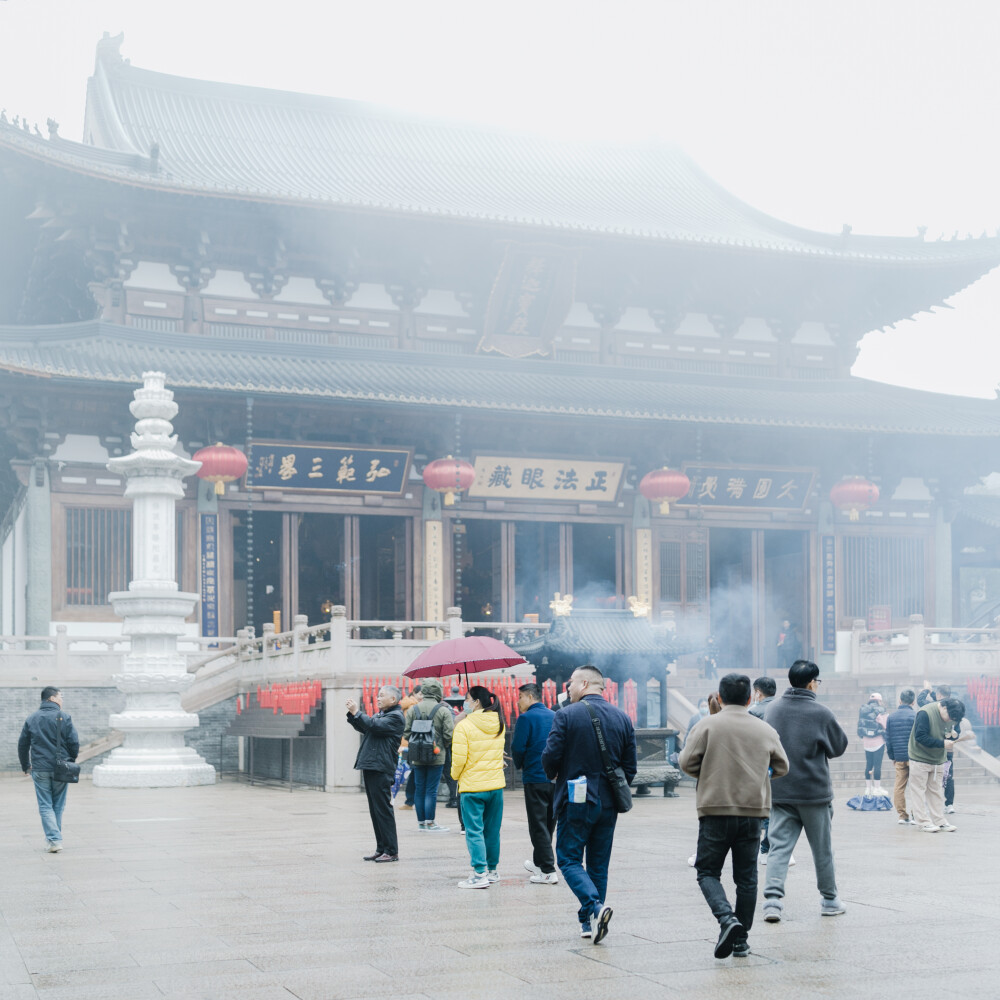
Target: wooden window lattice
{"x":98,"y":553}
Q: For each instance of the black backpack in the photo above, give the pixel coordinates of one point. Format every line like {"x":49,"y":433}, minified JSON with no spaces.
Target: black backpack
{"x":422,"y":749}
{"x":868,"y":724}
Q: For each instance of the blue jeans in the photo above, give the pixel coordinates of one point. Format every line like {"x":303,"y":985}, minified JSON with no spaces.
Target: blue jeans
{"x":51,"y":797}
{"x":717,"y":837}
{"x":482,"y":813}
{"x":586,"y":828}
{"x":425,"y":790}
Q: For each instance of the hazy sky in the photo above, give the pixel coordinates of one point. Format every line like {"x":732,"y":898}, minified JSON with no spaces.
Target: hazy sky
{"x":877,"y":113}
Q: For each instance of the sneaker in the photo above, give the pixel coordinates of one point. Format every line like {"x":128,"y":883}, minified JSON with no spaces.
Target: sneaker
{"x":929,"y":828}
{"x":383,"y":859}
{"x":947,"y":828}
{"x":451,"y":805}
{"x":763,"y":859}
{"x":585,"y":930}
{"x":371,"y":857}
{"x":405,"y":805}
{"x":493,"y":876}
{"x":949,"y":810}
{"x":530,"y":866}
{"x":477,"y":880}
{"x":55,"y":846}
{"x":773,"y":910}
{"x":545,"y":878}
{"x":832,"y":907}
{"x":731,"y":931}
{"x":903,"y":822}
{"x":599,"y":923}
{"x":691,"y":860}
{"x":432,"y":827}
{"x":741,"y":949}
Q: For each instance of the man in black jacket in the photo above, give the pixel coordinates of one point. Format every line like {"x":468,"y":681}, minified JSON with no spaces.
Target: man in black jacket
{"x":376,"y":760}
{"x":572,"y":751}
{"x":897,"y":741}
{"x":43,"y":733}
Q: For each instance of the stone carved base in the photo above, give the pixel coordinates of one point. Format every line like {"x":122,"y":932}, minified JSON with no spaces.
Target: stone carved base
{"x":154,"y":768}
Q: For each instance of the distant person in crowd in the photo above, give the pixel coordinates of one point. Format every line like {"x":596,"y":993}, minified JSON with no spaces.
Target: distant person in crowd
{"x":48,"y":734}
{"x":925,"y":695}
{"x":708,"y":659}
{"x":941,"y":692}
{"x":698,"y":715}
{"x":376,"y":760}
{"x":803,"y":798}
{"x":427,"y":776}
{"x":587,"y":829}
{"x":933,"y":735}
{"x":477,"y":766}
{"x":413,"y":698}
{"x":732,"y":755}
{"x":714,"y":707}
{"x":764,"y":690}
{"x":898,"y":727}
{"x":454,"y":699}
{"x":871,"y":729}
{"x":530,"y":733}
{"x":788,"y":645}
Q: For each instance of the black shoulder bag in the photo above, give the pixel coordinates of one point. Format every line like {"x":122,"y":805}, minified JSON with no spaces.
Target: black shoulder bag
{"x":65,"y":770}
{"x":620,"y":791}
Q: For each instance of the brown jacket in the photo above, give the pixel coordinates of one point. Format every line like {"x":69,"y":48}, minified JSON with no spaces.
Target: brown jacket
{"x":730,"y":754}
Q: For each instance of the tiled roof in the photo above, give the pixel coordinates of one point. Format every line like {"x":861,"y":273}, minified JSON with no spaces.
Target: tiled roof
{"x":596,"y":633}
{"x":105,"y":353}
{"x":246,"y":142}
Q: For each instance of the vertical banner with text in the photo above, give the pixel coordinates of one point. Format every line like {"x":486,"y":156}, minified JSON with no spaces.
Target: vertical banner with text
{"x":209,"y":574}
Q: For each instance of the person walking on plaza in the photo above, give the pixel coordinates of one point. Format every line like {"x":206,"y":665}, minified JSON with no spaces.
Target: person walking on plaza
{"x":573,"y":751}
{"x":477,"y":765}
{"x":898,"y":726}
{"x":530,"y":733}
{"x":427,"y":748}
{"x":376,"y":760}
{"x":732,"y":755}
{"x":871,"y":729}
{"x":48,"y":734}
{"x":764,"y":690}
{"x":944,"y":691}
{"x":803,"y":798}
{"x":932,"y":737}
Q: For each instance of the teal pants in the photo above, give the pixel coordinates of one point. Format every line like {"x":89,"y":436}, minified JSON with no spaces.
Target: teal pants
{"x":482,"y":813}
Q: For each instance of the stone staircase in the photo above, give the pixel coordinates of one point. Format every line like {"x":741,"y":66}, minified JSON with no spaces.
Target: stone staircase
{"x":844,"y":695}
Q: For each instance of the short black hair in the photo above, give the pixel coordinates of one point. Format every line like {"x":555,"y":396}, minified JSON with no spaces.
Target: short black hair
{"x":954,"y":708}
{"x":906,"y":696}
{"x":533,"y":691}
{"x":802,"y":673}
{"x":49,"y":692}
{"x":766,"y":686}
{"x":734,"y":689}
{"x":593,"y":674}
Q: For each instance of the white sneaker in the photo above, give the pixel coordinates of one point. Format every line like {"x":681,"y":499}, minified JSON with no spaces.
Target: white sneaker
{"x":929,"y":828}
{"x":947,"y":828}
{"x":476,"y":880}
{"x":434,"y":828}
{"x":691,"y":860}
{"x":949,"y":810}
{"x":763,"y":859}
{"x":54,"y":846}
{"x":530,"y":866}
{"x":545,"y":878}
{"x":492,"y":876}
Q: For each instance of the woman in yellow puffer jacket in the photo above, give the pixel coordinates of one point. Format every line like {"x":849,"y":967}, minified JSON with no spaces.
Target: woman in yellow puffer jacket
{"x":477,"y":765}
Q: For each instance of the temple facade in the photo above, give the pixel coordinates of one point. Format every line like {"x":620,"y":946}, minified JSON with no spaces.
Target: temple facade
{"x":347,"y":294}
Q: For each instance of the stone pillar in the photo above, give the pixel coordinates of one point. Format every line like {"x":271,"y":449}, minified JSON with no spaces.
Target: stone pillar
{"x":943,"y":606}
{"x":38,"y":539}
{"x":153,"y":753}
{"x":917,"y":652}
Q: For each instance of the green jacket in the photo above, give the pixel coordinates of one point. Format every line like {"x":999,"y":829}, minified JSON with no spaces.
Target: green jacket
{"x":444,"y":720}
{"x":931,"y":728}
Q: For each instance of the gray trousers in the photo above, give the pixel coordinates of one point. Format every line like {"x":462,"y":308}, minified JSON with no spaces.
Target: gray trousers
{"x":787,"y":822}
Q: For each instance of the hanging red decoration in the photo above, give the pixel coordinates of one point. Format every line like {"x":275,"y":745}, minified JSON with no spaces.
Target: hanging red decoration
{"x":854,"y":494}
{"x":664,"y":486}
{"x":449,"y":476}
{"x":220,"y":464}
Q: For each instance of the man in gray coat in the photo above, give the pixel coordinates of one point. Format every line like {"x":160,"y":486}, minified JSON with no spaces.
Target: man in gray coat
{"x":803,"y":798}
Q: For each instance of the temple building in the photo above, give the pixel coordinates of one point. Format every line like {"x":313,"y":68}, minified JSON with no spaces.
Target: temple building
{"x":348,"y":294}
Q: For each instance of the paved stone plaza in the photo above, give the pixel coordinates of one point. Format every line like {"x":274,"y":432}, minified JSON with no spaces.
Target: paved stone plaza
{"x":258,"y":894}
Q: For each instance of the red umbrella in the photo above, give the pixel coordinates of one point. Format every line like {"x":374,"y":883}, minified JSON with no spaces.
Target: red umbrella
{"x":472,"y":654}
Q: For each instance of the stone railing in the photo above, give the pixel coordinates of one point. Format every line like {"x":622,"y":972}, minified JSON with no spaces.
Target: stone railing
{"x":920,"y":651}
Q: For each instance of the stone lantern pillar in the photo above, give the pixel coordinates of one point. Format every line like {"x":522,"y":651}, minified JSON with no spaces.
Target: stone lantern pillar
{"x":153,"y":753}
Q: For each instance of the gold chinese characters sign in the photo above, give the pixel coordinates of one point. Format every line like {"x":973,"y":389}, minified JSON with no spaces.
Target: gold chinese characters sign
{"x":328,"y":468}
{"x":503,"y":477}
{"x":747,"y":487}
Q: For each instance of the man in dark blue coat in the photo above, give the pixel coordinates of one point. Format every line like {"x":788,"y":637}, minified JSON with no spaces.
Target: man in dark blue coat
{"x":376,"y":760}
{"x":38,"y":747}
{"x":530,"y":734}
{"x":898,"y":727}
{"x":571,"y":752}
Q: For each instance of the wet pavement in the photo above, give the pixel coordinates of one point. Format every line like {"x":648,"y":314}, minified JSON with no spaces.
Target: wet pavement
{"x":257,"y":894}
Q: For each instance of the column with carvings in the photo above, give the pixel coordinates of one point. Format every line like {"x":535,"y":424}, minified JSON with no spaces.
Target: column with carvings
{"x":154,"y":610}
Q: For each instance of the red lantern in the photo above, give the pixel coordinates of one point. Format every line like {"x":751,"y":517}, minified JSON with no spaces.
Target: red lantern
{"x":854,"y":494}
{"x":449,"y":476}
{"x":220,"y":464}
{"x":664,"y":486}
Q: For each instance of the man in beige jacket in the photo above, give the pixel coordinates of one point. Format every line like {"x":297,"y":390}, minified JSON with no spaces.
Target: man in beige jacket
{"x":733,"y":755}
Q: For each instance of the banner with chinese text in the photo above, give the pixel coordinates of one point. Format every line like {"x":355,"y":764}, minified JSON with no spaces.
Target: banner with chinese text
{"x":747,"y":487}
{"x":828,"y":554}
{"x":504,"y":477}
{"x":209,"y":574}
{"x":329,"y":468}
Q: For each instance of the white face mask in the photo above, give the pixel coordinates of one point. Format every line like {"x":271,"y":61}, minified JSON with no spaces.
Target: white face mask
{"x":469,"y":706}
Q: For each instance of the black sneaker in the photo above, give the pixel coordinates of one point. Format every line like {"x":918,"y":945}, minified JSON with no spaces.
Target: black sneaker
{"x":741,"y":949}
{"x":599,"y":923}
{"x":732,"y":931}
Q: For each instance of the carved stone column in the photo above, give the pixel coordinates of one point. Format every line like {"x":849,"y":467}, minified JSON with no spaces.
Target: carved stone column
{"x":153,"y":609}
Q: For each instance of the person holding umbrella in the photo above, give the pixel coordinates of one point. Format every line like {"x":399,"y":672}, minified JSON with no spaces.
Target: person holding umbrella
{"x":477,"y":765}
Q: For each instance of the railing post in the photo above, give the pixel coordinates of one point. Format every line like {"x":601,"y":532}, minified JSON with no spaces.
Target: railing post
{"x":266,"y":645}
{"x":62,"y":651}
{"x":454,"y":616}
{"x":857,"y":628}
{"x":917,"y":653}
{"x":338,"y":637}
{"x":299,"y":625}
